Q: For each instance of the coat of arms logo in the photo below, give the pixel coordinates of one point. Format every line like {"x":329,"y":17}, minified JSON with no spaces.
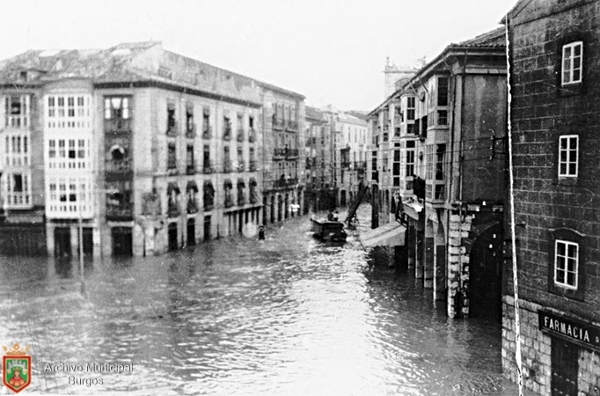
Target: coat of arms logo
{"x":16,"y":368}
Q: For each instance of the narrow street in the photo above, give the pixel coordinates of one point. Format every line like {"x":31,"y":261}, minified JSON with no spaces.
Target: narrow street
{"x":284,"y":316}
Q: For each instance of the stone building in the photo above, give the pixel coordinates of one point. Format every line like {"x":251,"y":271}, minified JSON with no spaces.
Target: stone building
{"x":555,"y":83}
{"x":283,"y":153}
{"x":319,"y":174}
{"x":141,"y":149}
{"x":438,"y":167}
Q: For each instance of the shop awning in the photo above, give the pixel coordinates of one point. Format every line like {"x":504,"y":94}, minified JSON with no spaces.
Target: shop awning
{"x":392,"y":234}
{"x":191,"y":185}
{"x":173,"y":187}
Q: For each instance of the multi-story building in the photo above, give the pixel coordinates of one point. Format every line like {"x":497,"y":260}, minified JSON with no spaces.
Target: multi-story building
{"x":555,"y":115}
{"x":139,"y":150}
{"x":352,"y":155}
{"x":437,"y":166}
{"x":319,"y":174}
{"x":283,"y":153}
{"x":21,"y":158}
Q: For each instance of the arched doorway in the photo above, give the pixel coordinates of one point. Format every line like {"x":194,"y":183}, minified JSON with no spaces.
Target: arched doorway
{"x":485,"y":276}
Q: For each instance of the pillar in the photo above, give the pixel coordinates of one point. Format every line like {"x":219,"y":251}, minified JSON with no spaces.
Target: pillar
{"x":439,"y":272}
{"x":428,"y":261}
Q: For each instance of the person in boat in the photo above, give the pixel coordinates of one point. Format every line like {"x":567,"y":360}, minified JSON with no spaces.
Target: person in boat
{"x":261,"y":232}
{"x":330,"y":216}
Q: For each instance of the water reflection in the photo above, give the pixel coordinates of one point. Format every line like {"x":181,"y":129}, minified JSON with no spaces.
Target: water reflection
{"x":286,"y":316}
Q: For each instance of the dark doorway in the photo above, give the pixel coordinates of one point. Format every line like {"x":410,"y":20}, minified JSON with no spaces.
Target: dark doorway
{"x":343,"y":198}
{"x":240,"y":221}
{"x":272,"y":209}
{"x":62,"y":242}
{"x":564,"y":368}
{"x":122,"y":241}
{"x":173,"y":243}
{"x":207,"y":228}
{"x":88,"y":242}
{"x":191,"y":232}
{"x":485,"y":274}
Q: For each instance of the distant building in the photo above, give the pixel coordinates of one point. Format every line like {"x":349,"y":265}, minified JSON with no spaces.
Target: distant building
{"x":555,"y":81}
{"x":319,"y":172}
{"x":143,"y":149}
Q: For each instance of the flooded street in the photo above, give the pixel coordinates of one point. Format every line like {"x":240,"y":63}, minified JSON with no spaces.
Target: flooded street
{"x":284,"y":316}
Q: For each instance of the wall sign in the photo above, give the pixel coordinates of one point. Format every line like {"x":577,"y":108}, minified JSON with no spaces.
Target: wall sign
{"x":570,"y":329}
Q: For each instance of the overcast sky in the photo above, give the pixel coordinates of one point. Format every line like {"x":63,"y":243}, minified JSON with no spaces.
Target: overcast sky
{"x":331,"y":51}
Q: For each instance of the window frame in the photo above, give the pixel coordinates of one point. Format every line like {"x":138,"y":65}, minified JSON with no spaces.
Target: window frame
{"x":574,"y":237}
{"x":567,"y":174}
{"x":566,"y":257}
{"x":571,"y":45}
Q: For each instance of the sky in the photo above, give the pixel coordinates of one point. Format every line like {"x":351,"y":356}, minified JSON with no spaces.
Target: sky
{"x":330,"y":51}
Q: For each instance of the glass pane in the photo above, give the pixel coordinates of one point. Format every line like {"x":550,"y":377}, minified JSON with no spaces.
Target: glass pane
{"x":576,"y":75}
{"x":566,"y":77}
{"x":572,"y":251}
{"x":570,"y":279}
{"x":567,"y":52}
{"x":573,"y":143}
{"x":577,"y":50}
{"x":560,"y":276}
{"x":572,"y":169}
{"x":560,"y":249}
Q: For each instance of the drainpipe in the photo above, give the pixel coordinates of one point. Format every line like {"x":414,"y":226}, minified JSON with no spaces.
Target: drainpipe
{"x":460,"y":175}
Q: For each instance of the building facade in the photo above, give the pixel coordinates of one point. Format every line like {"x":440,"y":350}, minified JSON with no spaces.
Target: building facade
{"x":283,"y":154}
{"x":438,"y":166}
{"x":555,"y":83}
{"x":319,"y":174}
{"x":140,"y":150}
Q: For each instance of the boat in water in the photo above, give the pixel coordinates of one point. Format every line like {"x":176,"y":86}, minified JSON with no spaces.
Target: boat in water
{"x":329,"y":230}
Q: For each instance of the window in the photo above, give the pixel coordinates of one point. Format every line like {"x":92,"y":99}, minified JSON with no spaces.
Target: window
{"x":67,"y":111}
{"x":206,"y":159}
{"x":69,"y":197}
{"x":190,"y":128}
{"x":252,"y":161}
{"x":442,"y":93}
{"x":566,"y":262}
{"x":189,"y":160}
{"x":567,"y":155}
{"x":16,"y":110}
{"x":171,"y":120}
{"x":226,"y":128}
{"x":442,"y":117}
{"x":171,"y":156}
{"x":572,"y":56}
{"x":396,"y":168}
{"x":206,"y":123}
{"x":227,"y":186}
{"x":18,"y":190}
{"x":226,"y":159}
{"x":410,"y":108}
{"x":410,"y":158}
{"x":16,"y":149}
{"x":69,"y":154}
{"x":439,"y":166}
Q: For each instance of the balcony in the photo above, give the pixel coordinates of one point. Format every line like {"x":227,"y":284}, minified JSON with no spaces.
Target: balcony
{"x":278,"y":123}
{"x":292,"y":125}
{"x":240,"y":135}
{"x":172,"y":170}
{"x":119,"y":211}
{"x":172,"y":128}
{"x":283,"y":183}
{"x":228,"y":202}
{"x":291,"y":153}
{"x":122,"y":125}
{"x":190,"y":170}
{"x":118,"y":166}
{"x":345,"y":164}
{"x":251,"y":135}
{"x":190,"y":131}
{"x":173,"y":210}
{"x":227,"y":133}
{"x":192,"y":206}
{"x":206,"y":132}
{"x":17,"y":121}
{"x":207,"y":168}
{"x":252,"y":166}
{"x":253,"y":197}
{"x":227,"y":166}
{"x":278,"y":154}
{"x":240,"y":167}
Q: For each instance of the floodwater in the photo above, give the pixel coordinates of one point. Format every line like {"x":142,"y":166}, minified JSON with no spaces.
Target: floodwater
{"x":284,"y":316}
